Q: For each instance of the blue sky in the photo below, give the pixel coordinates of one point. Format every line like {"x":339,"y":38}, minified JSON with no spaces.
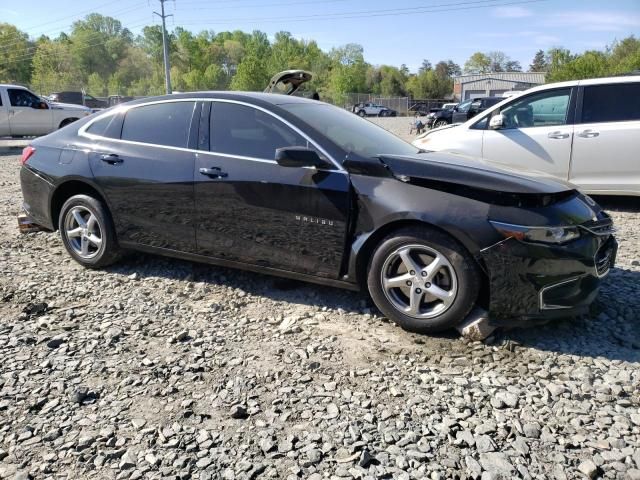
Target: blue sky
{"x":391,"y":32}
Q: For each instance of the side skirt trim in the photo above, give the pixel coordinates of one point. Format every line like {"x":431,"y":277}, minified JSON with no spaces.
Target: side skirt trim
{"x":241,"y":266}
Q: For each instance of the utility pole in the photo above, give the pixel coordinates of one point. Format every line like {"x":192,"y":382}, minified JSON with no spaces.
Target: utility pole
{"x":165,"y":47}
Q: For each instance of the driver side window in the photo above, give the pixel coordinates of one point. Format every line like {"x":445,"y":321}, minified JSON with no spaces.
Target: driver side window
{"x":538,"y":110}
{"x":21,"y":98}
{"x":249,"y":132}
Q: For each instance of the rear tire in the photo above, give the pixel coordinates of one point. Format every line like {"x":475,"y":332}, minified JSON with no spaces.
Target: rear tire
{"x":66,"y":122}
{"x":423,"y":280}
{"x":362,"y":113}
{"x":87,"y":232}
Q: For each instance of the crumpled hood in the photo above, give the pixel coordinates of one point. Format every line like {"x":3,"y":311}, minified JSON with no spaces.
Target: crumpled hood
{"x":69,"y":106}
{"x":471,"y":172}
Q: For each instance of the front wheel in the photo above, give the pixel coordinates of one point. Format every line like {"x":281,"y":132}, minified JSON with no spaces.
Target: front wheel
{"x":87,"y":232}
{"x":423,"y":280}
{"x":440,"y":123}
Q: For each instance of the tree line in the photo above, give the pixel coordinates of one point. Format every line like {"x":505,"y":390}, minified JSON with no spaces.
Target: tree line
{"x":102,"y":56}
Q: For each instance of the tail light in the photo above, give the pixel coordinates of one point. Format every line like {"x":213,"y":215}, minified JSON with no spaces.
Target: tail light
{"x":26,"y":154}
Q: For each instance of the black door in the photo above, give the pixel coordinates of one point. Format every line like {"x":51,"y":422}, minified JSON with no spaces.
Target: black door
{"x":147,"y":176}
{"x":252,"y":210}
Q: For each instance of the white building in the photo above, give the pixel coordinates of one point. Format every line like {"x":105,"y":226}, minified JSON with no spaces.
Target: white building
{"x":494,"y":84}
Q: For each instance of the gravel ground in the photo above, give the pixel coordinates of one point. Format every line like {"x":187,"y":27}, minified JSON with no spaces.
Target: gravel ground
{"x":399,"y":126}
{"x":159,"y":368}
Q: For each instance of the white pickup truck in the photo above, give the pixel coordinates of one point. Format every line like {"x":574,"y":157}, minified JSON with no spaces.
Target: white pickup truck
{"x":23,"y":113}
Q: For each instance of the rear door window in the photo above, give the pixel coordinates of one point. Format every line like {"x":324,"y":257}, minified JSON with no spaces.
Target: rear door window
{"x":611,"y":103}
{"x":246,"y":131}
{"x":159,"y":124}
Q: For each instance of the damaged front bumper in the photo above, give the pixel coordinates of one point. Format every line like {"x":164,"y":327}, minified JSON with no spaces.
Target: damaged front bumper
{"x":535,"y":282}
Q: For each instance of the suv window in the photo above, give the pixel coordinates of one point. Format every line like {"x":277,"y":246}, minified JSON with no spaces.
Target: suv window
{"x":538,"y":110}
{"x":159,"y":124}
{"x":249,"y":132}
{"x":611,"y":103}
{"x":21,"y":98}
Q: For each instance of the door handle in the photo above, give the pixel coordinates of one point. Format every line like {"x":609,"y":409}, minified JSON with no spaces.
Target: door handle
{"x":213,"y":172}
{"x":111,"y":158}
{"x":589,"y":134}
{"x":558,"y":135}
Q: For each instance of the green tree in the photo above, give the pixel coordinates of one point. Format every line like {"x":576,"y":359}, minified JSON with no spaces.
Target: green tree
{"x":478,"y":63}
{"x":539,"y":63}
{"x":251,"y":74}
{"x":16,"y":49}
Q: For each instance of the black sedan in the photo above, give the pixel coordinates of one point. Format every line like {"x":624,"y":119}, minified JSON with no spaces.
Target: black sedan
{"x":302,"y":189}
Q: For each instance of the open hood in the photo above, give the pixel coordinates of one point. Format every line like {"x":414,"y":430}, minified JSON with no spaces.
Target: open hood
{"x":288,"y":82}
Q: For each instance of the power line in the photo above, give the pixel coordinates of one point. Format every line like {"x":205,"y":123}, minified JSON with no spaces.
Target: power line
{"x":370,"y":13}
{"x":466,"y":5}
{"x":75,"y":15}
{"x":7,"y":46}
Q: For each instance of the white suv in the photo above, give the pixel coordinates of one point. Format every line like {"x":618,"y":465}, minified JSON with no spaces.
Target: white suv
{"x":586,"y":132}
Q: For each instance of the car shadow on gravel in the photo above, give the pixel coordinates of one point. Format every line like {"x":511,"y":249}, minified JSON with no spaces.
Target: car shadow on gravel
{"x":275,"y":288}
{"x":618,"y":203}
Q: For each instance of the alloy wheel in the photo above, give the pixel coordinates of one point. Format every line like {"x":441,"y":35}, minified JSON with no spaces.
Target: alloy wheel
{"x":83,"y":231}
{"x":419,"y":281}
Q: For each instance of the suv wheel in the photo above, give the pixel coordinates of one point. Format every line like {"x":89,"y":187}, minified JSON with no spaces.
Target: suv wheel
{"x":362,"y":113}
{"x":440,"y":123}
{"x":87,"y":232}
{"x":423,"y":280}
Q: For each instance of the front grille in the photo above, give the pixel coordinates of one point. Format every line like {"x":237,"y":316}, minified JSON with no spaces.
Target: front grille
{"x":604,"y":259}
{"x":600,"y":227}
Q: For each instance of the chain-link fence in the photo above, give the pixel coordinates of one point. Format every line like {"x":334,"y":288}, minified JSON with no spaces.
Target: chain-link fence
{"x":399,"y":104}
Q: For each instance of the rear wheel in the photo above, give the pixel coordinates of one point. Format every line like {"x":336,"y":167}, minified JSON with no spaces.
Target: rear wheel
{"x":362,"y":113}
{"x":87,"y":232}
{"x":66,"y":122}
{"x":423,"y":280}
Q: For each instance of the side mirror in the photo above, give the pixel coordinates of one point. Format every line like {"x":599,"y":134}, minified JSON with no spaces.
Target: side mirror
{"x":455,"y":109}
{"x":299,"y":157}
{"x":497,"y":122}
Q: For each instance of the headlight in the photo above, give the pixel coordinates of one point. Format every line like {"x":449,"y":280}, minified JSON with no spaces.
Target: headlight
{"x":549,"y":235}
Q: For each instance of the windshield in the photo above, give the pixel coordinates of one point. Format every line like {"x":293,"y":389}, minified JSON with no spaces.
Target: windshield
{"x":350,"y":132}
{"x":464,"y":106}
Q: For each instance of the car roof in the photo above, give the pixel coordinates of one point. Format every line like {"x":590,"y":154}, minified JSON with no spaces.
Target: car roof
{"x":11,"y":85}
{"x":253,"y":97}
{"x":588,"y":81}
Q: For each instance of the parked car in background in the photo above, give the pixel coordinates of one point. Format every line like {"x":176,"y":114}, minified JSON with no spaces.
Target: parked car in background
{"x":440,"y":117}
{"x":23,"y":113}
{"x":586,"y":131}
{"x":373,"y":110}
{"x":78,"y":98}
{"x":472,"y":107}
{"x":302,"y":189}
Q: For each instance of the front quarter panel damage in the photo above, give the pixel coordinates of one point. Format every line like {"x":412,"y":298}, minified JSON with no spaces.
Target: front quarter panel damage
{"x":383,"y":202}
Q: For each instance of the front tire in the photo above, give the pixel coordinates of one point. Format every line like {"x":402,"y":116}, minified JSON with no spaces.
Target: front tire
{"x":87,"y":232}
{"x":440,"y":123}
{"x":423,"y":280}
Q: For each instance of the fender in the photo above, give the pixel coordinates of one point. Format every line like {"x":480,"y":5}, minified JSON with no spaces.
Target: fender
{"x":388,"y":202}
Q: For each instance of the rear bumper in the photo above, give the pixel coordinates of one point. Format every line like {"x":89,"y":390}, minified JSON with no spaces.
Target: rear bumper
{"x":36,"y":194}
{"x":532,"y":283}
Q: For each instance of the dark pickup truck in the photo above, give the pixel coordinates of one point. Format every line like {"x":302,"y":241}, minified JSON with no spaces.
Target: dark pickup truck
{"x":462,"y":112}
{"x":78,"y":98}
